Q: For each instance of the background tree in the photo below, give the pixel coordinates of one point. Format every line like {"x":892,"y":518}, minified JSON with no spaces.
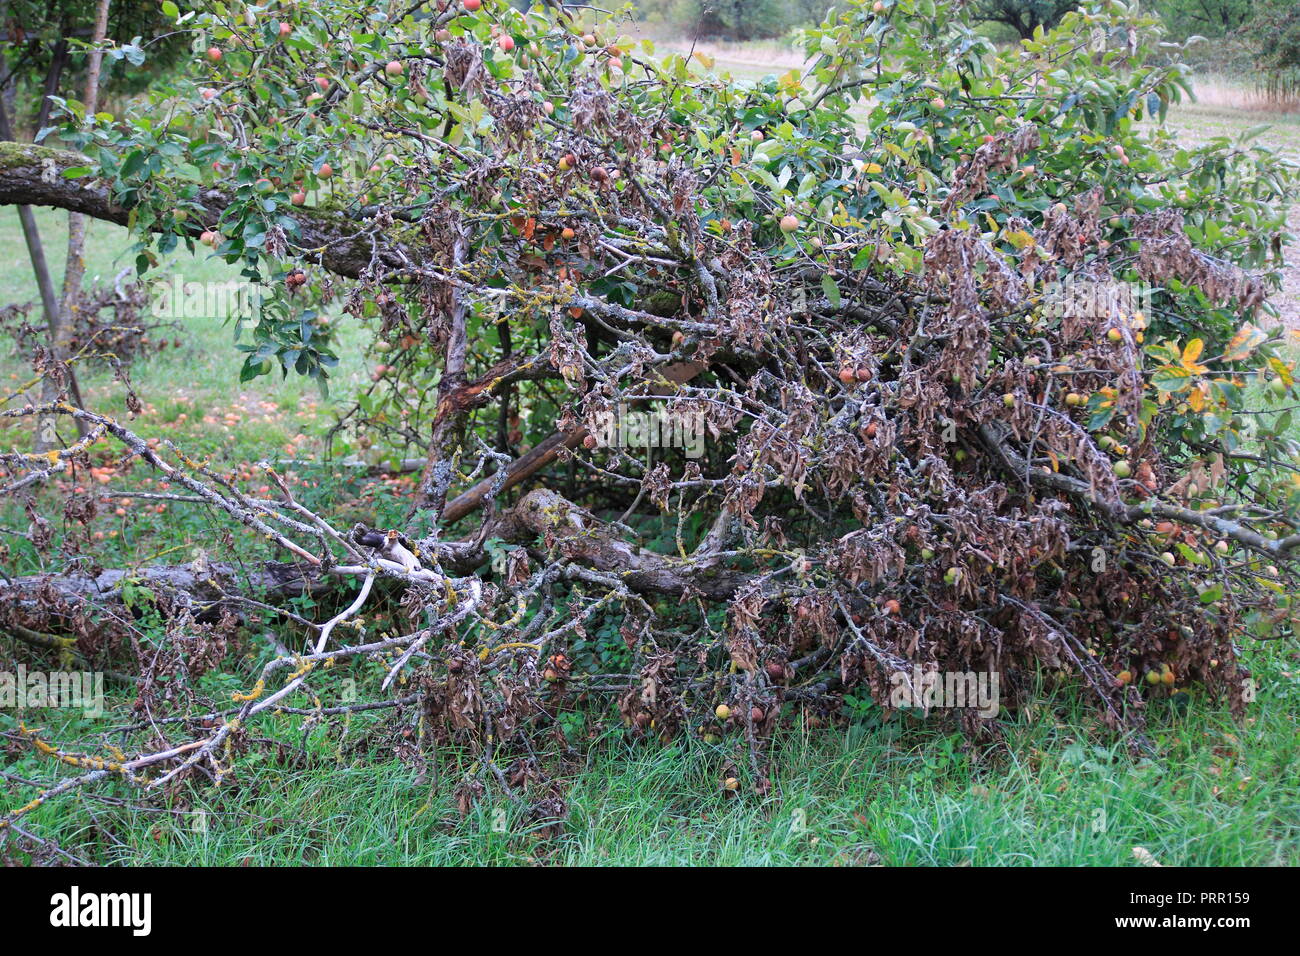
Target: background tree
{"x":731,"y":19}
{"x":47,"y":43}
{"x":74,"y":271}
{"x":1023,"y":16}
{"x":1208,"y":18}
{"x":1275,"y":32}
{"x":49,"y":49}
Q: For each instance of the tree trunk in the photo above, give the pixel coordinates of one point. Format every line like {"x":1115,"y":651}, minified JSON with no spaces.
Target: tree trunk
{"x":74,"y":272}
{"x":46,"y":437}
{"x":68,"y":603}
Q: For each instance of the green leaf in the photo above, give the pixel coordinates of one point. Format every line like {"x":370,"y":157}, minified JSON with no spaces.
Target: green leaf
{"x":832,"y":290}
{"x":1171,"y":378}
{"x":133,"y":163}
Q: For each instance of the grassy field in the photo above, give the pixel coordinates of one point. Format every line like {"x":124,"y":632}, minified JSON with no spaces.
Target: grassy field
{"x":903,"y":792}
{"x":194,"y":390}
{"x":1214,"y":791}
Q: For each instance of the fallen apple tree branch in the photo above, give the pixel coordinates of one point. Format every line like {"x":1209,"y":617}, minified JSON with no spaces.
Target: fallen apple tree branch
{"x":546,"y":453}
{"x":1128,"y":513}
{"x":729,"y":412}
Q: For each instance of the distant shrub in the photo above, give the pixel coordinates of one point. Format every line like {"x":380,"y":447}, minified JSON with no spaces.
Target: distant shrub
{"x":733,"y":19}
{"x":1207,"y":18}
{"x":1276,"y":31}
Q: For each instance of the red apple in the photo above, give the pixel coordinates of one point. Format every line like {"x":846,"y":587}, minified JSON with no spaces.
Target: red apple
{"x":393,"y":68}
{"x":506,"y":43}
{"x":214,"y":54}
{"x":471,"y":5}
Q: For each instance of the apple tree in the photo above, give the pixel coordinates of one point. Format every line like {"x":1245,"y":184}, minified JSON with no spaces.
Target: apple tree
{"x":969,"y":366}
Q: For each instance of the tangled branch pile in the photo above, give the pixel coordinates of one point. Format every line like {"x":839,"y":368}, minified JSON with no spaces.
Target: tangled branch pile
{"x":916,"y":454}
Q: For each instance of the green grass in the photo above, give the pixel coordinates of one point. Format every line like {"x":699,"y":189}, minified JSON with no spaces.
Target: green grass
{"x":903,"y":792}
{"x":199,"y":378}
